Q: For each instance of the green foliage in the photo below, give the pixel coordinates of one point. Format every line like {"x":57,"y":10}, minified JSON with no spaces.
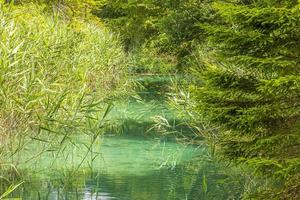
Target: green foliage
{"x":149,"y":61}
{"x":179,"y":30}
{"x":55,"y":78}
{"x":10,"y":190}
{"x":66,"y":8}
{"x":171,"y":27}
{"x":56,"y":72}
{"x":134,"y":20}
{"x":251,"y":87}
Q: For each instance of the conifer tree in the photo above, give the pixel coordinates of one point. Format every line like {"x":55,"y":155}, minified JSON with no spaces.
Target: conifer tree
{"x":251,"y":87}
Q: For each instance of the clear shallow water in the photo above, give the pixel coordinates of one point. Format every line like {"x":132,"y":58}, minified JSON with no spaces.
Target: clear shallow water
{"x":131,"y":168}
{"x":139,"y":164}
{"x":128,"y":167}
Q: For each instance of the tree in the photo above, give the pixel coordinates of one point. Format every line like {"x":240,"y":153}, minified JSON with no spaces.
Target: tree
{"x":169,"y":26}
{"x":134,"y":20}
{"x":251,"y":87}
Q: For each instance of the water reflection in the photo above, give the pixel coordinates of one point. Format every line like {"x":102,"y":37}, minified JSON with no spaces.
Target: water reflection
{"x":133,"y":170}
{"x":88,"y":195}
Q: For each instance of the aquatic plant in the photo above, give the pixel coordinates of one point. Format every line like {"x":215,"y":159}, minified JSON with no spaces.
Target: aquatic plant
{"x":57,"y":78}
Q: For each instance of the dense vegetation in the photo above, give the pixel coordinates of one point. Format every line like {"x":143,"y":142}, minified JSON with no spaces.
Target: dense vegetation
{"x":60,"y":66}
{"x":251,"y":88}
{"x":170,"y":28}
{"x":57,"y":77}
{"x":246,"y":57}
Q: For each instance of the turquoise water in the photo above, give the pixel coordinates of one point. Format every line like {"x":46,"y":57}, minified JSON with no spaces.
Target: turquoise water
{"x":131,"y":168}
{"x":129,"y":162}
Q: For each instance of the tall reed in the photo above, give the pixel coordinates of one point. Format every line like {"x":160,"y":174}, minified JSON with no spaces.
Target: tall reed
{"x":57,"y":77}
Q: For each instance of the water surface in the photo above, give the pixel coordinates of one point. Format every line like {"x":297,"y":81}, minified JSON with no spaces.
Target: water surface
{"x":129,"y":162}
{"x":131,"y":168}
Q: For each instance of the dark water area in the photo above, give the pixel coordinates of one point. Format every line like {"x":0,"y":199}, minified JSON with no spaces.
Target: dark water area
{"x":130,"y":162}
